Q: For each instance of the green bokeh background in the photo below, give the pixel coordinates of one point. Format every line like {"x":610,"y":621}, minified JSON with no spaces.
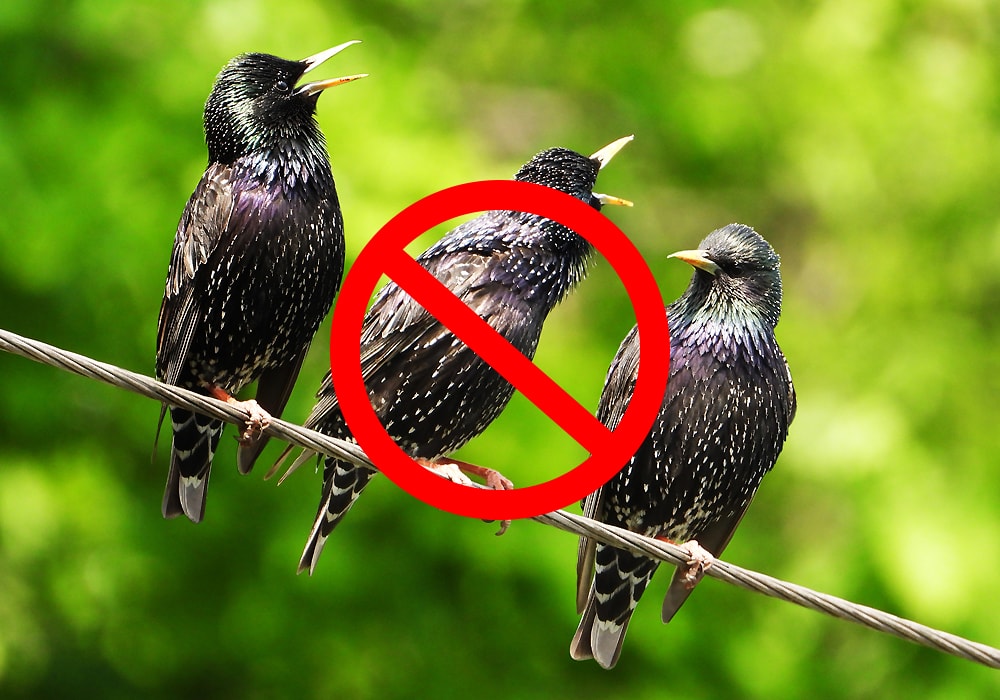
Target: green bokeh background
{"x":859,"y":136}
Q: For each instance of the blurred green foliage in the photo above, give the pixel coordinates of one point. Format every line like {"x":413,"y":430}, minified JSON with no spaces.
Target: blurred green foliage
{"x":859,"y":136}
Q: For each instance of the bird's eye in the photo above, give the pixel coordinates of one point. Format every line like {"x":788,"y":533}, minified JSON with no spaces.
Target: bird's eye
{"x":281,"y":86}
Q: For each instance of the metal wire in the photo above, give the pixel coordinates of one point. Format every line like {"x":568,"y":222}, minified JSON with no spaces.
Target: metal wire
{"x":575,"y":524}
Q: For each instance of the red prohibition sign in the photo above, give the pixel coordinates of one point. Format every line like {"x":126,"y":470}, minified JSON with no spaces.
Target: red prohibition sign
{"x":609,"y":450}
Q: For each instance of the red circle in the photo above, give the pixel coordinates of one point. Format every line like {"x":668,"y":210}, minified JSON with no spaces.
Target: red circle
{"x":592,"y":473}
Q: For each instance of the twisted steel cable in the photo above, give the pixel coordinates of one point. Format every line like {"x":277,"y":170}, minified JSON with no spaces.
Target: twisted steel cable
{"x":563,"y":520}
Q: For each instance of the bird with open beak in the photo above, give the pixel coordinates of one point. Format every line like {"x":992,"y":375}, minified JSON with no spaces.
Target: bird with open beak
{"x":257,"y":259}
{"x":431,"y":392}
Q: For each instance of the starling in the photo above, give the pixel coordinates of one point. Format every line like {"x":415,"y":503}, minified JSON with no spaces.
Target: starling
{"x":725,"y":415}
{"x":432,"y":393}
{"x":257,"y":260}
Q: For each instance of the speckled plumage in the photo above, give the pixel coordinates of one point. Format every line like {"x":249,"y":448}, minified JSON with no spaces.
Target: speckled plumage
{"x":257,"y":259}
{"x":432,"y":392}
{"x":725,"y":415}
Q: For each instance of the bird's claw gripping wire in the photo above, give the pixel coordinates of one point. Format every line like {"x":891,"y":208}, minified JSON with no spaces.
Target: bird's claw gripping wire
{"x":458,"y":472}
{"x":257,"y":418}
{"x":699,"y":560}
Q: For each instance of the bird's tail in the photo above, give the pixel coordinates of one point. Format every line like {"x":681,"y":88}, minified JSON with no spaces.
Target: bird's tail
{"x":619,"y":582}
{"x":342,"y":484}
{"x":598,"y":639}
{"x":195,"y":440}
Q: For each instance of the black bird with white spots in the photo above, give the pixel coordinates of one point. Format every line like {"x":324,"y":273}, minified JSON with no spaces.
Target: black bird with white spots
{"x":432,"y":393}
{"x":724,"y":418}
{"x":257,"y":260}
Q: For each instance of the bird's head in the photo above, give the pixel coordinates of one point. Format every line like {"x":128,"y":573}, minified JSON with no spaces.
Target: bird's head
{"x":255,"y":101}
{"x":737,"y":272}
{"x":573,"y":173}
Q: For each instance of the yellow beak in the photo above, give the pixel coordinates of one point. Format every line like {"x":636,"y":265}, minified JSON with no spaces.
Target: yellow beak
{"x":697,"y":258}
{"x":604,"y":155}
{"x":313,"y":61}
{"x":611,"y":199}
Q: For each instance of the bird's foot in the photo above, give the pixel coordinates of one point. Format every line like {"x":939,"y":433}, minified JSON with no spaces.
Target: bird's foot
{"x":458,"y":472}
{"x":257,"y":418}
{"x":699,"y":559}
{"x":494,"y":479}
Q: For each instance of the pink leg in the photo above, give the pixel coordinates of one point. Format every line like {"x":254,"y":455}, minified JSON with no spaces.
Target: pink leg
{"x":257,"y":417}
{"x":455,"y":470}
{"x":699,"y":559}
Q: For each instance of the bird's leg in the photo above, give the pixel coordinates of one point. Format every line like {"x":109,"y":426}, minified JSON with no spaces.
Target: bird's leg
{"x":446,"y":470}
{"x":458,"y":471}
{"x":494,"y":479}
{"x":699,"y":559}
{"x":257,"y":417}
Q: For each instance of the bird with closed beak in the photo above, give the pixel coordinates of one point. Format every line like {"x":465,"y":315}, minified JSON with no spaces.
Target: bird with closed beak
{"x":724,"y":418}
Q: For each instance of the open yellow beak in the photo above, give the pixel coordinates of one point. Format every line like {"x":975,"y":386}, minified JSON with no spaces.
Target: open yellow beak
{"x":317,"y":59}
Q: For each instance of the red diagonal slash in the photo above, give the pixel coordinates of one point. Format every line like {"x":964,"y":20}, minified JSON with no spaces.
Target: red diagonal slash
{"x":496,"y":350}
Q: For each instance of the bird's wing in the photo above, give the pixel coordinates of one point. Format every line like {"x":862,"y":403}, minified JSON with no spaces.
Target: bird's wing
{"x":202,"y":226}
{"x":792,"y":404}
{"x":618,"y":388}
{"x":586,"y":551}
{"x":716,"y":535}
{"x":397,"y":329}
